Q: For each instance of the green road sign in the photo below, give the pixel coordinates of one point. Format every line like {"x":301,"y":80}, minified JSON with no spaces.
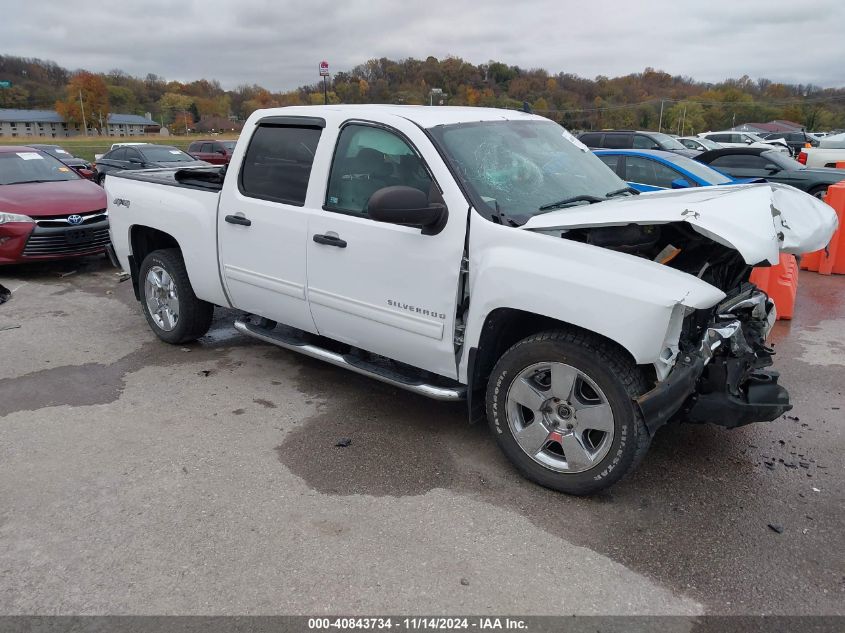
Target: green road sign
{"x":5,"y":84}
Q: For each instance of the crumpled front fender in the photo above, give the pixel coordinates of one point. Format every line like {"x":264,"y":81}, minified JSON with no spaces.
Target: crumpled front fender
{"x":627,"y":299}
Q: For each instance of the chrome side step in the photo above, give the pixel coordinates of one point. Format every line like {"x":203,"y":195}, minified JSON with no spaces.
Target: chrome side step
{"x":352,"y":363}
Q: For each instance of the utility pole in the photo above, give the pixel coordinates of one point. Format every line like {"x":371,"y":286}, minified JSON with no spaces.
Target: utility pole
{"x":82,"y":107}
{"x":660,"y":122}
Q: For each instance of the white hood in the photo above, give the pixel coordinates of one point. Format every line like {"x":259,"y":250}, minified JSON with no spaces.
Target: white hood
{"x":759,"y":221}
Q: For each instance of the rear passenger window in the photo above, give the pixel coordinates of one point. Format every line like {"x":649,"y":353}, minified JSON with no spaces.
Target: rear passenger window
{"x":591,"y":139}
{"x":206,"y":148}
{"x":367,"y":159}
{"x":617,"y":141}
{"x":278,"y":163}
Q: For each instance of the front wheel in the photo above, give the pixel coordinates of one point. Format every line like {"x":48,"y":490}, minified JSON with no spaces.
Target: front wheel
{"x":168,"y":301}
{"x":561,"y":406}
{"x":819,"y":192}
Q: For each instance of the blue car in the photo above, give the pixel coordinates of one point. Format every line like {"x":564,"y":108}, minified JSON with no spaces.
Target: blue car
{"x":656,"y":170}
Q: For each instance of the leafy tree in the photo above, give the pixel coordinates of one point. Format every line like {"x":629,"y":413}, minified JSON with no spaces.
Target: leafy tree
{"x":89,"y":92}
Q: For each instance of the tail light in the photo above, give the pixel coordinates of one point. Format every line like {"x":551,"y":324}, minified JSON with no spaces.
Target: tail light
{"x":802,"y":157}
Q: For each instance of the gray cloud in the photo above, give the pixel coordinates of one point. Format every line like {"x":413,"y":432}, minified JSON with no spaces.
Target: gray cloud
{"x":279,"y":44}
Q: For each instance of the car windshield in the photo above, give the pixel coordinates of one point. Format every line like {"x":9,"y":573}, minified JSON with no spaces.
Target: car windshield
{"x":165,"y":154}
{"x":700,"y":171}
{"x":666,"y":141}
{"x":31,"y":166}
{"x":517,"y":167}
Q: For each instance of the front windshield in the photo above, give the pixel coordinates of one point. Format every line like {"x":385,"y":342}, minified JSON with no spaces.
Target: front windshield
{"x":700,"y":171}
{"x":165,"y":154}
{"x":30,"y":166}
{"x":666,"y":141}
{"x":516,"y":167}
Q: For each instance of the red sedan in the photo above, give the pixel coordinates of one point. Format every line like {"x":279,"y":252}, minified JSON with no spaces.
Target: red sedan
{"x":47,"y":211}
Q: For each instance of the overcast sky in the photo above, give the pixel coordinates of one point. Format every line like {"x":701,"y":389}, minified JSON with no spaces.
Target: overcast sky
{"x":279,"y":44}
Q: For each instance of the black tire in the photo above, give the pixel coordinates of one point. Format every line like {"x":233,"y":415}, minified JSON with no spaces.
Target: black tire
{"x":818,"y":192}
{"x":194,"y":316}
{"x":609,"y":368}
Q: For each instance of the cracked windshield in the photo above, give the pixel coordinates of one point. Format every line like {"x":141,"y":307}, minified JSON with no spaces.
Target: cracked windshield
{"x":518,"y":169}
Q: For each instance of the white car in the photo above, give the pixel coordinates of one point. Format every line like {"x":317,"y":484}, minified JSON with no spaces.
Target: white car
{"x":732,"y":138}
{"x":699,"y":144}
{"x":477,"y":254}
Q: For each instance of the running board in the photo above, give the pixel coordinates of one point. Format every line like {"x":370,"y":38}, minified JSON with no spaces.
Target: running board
{"x":352,"y":363}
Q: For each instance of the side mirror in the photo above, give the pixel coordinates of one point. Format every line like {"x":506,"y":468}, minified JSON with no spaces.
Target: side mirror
{"x":135,"y":161}
{"x":772,"y":168}
{"x":409,"y":207}
{"x":85,"y":173}
{"x":681,"y":183}
{"x":221,"y":151}
{"x":748,"y":141}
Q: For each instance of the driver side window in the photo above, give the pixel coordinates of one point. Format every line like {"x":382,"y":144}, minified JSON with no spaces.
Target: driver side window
{"x":367,"y":159}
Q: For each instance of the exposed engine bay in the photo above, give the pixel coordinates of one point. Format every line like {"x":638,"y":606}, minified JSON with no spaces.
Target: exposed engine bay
{"x":720,"y":374}
{"x":675,"y":245}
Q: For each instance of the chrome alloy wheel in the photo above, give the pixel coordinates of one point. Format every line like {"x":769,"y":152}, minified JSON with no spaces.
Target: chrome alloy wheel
{"x":560,"y":417}
{"x":162,"y":301}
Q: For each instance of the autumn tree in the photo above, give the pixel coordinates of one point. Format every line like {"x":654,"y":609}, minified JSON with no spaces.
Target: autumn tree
{"x":88,"y":93}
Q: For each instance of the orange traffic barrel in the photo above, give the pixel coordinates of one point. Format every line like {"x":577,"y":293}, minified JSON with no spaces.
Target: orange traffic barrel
{"x":831,"y":259}
{"x":780,"y":283}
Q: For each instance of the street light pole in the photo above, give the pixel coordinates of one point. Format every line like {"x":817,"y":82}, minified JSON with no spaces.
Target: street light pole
{"x":660,"y":123}
{"x":82,"y":107}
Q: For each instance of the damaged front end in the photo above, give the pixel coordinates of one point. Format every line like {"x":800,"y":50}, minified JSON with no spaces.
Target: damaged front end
{"x":713,"y":365}
{"x":720,"y":375}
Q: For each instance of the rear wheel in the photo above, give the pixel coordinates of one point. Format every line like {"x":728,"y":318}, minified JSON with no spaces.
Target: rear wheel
{"x":560,"y":405}
{"x":168,"y":301}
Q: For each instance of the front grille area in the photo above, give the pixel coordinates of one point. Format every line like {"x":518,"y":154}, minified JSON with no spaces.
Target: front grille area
{"x":69,"y":241}
{"x":60,"y":221}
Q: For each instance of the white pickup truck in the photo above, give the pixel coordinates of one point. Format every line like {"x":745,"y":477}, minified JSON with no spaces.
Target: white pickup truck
{"x":478,"y":254}
{"x":829,"y":153}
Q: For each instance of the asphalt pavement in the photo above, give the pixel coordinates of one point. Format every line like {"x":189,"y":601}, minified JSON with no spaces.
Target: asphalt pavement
{"x":142,"y":478}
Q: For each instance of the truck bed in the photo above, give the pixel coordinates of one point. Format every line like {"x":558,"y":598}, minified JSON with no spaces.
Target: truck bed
{"x":202,"y":178}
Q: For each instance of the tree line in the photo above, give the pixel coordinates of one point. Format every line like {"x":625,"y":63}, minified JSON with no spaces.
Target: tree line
{"x":645,"y":100}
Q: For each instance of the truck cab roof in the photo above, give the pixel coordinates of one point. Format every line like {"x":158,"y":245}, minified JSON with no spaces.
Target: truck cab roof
{"x":424,"y":116}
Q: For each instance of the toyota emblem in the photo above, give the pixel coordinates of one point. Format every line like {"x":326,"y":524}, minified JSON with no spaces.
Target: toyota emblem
{"x":74,"y":219}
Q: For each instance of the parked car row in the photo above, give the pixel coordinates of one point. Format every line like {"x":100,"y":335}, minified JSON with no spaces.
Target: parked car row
{"x":685,"y":145}
{"x":653,"y":170}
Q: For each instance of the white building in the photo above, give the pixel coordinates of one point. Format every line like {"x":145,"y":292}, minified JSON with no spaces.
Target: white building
{"x":50,"y":124}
